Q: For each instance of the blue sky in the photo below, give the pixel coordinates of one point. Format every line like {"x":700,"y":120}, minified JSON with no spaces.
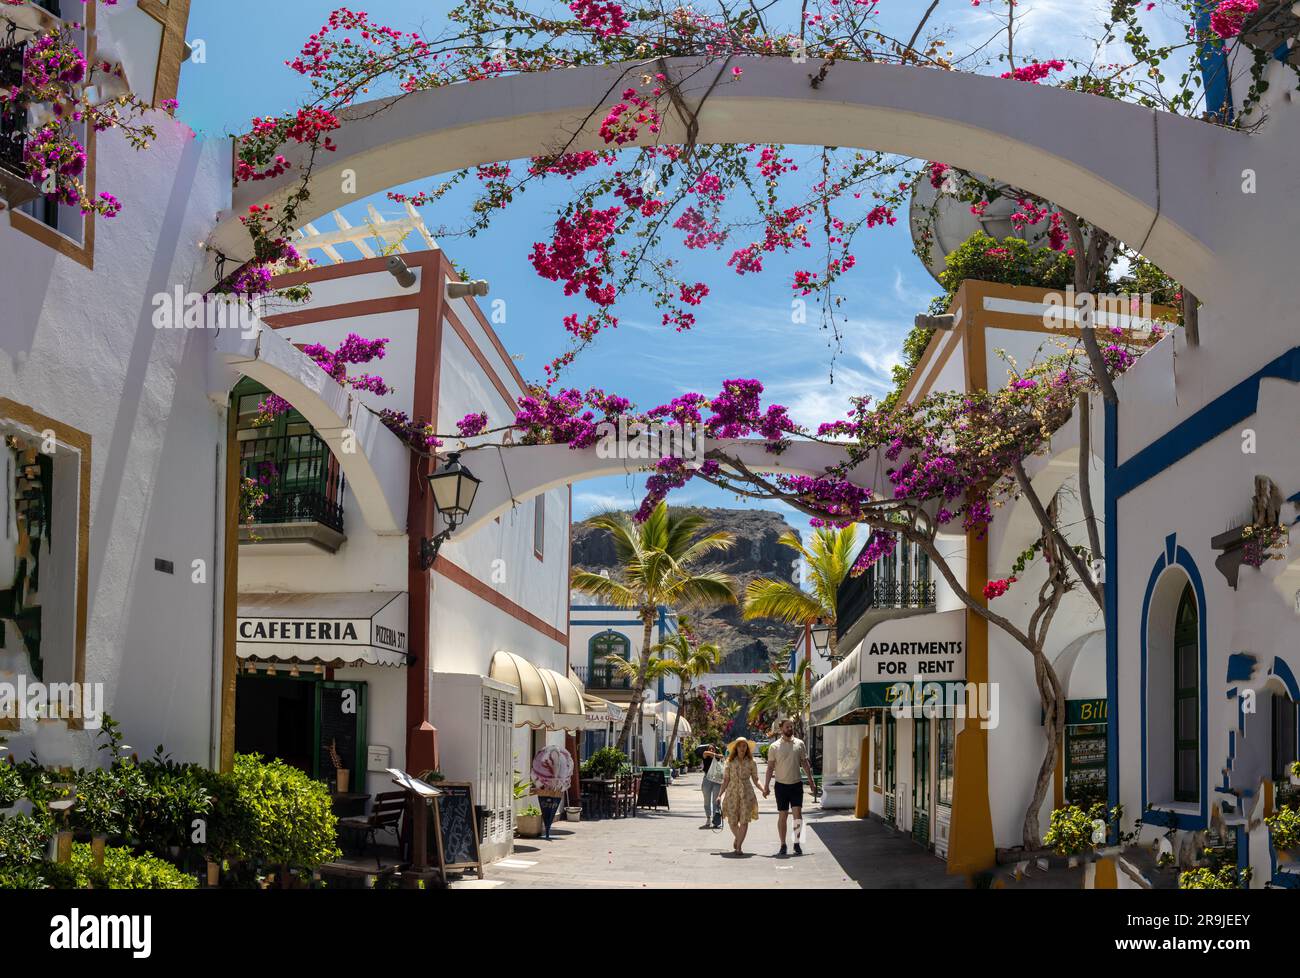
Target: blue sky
{"x":744,"y":328}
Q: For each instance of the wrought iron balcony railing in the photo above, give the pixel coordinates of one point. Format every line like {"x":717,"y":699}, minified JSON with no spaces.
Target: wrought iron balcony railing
{"x":300,"y":477}
{"x":602,"y":676}
{"x":858,"y":595}
{"x":13,"y":114}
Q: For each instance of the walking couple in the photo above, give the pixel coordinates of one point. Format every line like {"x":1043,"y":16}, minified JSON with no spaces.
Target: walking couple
{"x":729,"y":787}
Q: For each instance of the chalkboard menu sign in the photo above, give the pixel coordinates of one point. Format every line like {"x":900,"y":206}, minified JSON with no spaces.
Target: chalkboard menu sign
{"x":456,"y":827}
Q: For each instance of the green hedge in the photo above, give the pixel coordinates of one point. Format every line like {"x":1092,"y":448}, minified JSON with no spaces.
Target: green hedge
{"x":121,"y":871}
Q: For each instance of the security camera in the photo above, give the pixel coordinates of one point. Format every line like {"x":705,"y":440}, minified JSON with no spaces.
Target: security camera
{"x":401,"y":271}
{"x":463,"y":290}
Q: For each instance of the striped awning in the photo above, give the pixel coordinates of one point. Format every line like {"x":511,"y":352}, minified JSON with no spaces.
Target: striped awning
{"x":570,"y":712}
{"x":536,"y":707}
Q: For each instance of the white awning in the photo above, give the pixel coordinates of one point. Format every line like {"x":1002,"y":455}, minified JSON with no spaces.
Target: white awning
{"x":667,"y":714}
{"x":348,"y":628}
{"x":601,"y":713}
{"x":570,"y":712}
{"x":536,"y":707}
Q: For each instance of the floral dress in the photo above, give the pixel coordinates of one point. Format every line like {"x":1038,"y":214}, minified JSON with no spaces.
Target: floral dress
{"x":739,"y":803}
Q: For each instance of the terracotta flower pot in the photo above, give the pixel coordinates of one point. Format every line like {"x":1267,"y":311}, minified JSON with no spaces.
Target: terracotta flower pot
{"x":98,"y":844}
{"x":528,"y":826}
{"x":214,"y":873}
{"x":343,"y":779}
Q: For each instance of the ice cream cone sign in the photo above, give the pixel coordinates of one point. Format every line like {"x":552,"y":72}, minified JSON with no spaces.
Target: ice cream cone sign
{"x":552,"y":771}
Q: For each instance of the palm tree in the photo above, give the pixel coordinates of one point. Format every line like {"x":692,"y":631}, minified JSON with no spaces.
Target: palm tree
{"x":655,"y":669}
{"x":784,"y":695}
{"x":829,"y":559}
{"x":688,"y":661}
{"x":657,"y":566}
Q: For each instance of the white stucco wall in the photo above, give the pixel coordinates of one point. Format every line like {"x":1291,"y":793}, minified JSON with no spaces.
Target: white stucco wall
{"x":77,"y":345}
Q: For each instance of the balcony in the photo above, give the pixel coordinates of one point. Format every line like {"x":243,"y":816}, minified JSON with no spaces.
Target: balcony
{"x":859,"y":595}
{"x":15,"y":188}
{"x":303,"y":509}
{"x":602,"y":676}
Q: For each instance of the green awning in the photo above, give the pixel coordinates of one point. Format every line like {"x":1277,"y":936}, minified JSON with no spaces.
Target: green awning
{"x":850,"y":710}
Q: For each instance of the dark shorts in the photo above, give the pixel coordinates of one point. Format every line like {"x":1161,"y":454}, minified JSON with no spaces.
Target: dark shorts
{"x":789,"y":796}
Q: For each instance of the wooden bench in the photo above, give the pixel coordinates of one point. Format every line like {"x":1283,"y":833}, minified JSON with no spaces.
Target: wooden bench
{"x":385,"y":816}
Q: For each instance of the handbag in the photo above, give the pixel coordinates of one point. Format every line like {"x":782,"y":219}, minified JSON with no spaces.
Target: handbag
{"x":715,"y":771}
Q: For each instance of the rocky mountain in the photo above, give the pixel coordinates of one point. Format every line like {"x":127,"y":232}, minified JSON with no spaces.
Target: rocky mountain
{"x":746,"y":645}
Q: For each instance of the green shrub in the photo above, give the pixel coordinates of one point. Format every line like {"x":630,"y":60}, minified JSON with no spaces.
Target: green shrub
{"x":1285,"y":828}
{"x":604,"y":763}
{"x":763,"y":749}
{"x":121,"y":871}
{"x":23,"y":843}
{"x":1073,"y":829}
{"x":11,"y":785}
{"x":1226,"y":877}
{"x":274,"y":814}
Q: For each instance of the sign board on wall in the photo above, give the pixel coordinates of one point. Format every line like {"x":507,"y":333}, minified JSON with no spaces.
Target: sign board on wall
{"x":929,"y":648}
{"x":362,"y":627}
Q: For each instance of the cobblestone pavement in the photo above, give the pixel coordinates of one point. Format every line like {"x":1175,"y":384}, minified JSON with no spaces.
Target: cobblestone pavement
{"x":670,"y":849}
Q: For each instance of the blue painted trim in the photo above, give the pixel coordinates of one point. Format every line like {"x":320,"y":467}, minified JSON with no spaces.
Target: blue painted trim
{"x":1228,"y":409}
{"x":1284,"y":673}
{"x":1183,"y":559}
{"x":1214,"y":66}
{"x":1110,"y":460}
{"x":1241,"y":666}
{"x":1243,"y":848}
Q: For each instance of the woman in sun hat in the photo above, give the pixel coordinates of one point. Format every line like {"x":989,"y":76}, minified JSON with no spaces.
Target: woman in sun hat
{"x":739,"y":783}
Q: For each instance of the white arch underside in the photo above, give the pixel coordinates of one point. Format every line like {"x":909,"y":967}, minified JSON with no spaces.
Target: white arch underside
{"x":1139,"y":174}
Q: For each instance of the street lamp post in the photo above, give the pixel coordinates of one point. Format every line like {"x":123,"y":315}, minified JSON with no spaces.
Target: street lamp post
{"x":454,"y":488}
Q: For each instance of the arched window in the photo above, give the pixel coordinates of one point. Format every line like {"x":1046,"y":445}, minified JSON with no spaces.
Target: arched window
{"x":601,"y":673}
{"x":1187,"y":699}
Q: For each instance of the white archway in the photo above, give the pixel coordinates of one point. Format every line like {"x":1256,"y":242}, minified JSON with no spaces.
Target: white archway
{"x":512,"y":474}
{"x":374,"y":461}
{"x":1147,"y":177}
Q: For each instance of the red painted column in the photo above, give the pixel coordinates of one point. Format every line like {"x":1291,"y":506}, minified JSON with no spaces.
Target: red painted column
{"x":421,"y":735}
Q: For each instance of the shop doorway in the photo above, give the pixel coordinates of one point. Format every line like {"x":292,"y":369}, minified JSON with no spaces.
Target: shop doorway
{"x":921,"y":780}
{"x":276,"y":717}
{"x":314,"y":725}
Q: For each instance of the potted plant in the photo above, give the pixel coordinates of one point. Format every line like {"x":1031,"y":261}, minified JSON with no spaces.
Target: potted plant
{"x":528,"y":822}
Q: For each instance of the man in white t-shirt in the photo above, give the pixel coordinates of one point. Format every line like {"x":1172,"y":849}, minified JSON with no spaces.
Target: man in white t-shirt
{"x":787,"y":761}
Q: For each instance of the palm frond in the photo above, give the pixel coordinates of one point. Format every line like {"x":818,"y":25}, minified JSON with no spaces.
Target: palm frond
{"x":782,"y":600}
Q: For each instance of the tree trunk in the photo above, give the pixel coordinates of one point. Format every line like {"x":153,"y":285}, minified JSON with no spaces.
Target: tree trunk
{"x":638,"y":686}
{"x":1052,"y":699}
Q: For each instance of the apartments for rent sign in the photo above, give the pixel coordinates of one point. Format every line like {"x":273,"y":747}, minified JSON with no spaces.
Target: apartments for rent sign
{"x":928,"y":646}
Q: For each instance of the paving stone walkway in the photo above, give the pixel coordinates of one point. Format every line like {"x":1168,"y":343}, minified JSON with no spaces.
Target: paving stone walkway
{"x":669,"y":849}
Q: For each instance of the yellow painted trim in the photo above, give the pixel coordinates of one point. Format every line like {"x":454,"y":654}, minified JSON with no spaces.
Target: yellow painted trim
{"x":970,"y":845}
{"x":174,"y":16}
{"x":1105,"y":875}
{"x":230,"y":604}
{"x":862,"y":805}
{"x":81,"y":441}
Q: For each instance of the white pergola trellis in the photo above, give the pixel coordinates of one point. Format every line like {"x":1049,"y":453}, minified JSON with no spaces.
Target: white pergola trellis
{"x":376,"y":237}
